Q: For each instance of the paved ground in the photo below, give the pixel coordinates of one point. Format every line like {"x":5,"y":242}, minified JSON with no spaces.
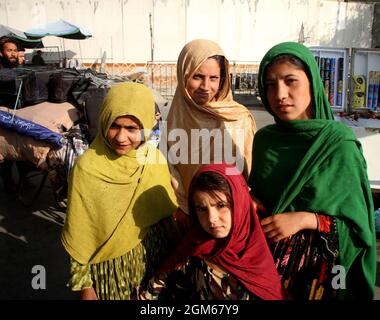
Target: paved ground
{"x":29,"y":237}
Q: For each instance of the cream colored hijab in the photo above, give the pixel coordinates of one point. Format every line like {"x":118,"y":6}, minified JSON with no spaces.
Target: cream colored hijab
{"x":113,"y":200}
{"x":230,"y":118}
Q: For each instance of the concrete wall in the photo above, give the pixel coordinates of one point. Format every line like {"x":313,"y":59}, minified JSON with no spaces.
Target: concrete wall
{"x":244,"y":28}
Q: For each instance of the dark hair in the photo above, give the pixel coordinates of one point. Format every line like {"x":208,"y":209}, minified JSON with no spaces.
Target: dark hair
{"x":210,"y":182}
{"x":222,"y":64}
{"x":6,"y":39}
{"x":135,"y":119}
{"x":298,"y":63}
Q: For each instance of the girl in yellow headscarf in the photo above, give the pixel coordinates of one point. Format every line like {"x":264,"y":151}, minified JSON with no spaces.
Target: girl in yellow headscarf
{"x":119,"y":191}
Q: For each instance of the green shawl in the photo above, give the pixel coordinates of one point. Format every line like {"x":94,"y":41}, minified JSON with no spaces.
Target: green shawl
{"x":113,"y":200}
{"x":317,"y":165}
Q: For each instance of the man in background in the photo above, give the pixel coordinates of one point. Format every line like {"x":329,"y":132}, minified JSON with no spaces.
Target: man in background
{"x":37,"y":59}
{"x":8,"y":52}
{"x":21,"y":57}
{"x":9,"y":58}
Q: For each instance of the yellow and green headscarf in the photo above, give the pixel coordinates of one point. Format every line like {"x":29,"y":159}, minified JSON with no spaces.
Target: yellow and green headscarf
{"x":113,"y":200}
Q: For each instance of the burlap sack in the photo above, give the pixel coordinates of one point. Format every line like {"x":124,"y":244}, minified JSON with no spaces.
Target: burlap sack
{"x":58,"y":117}
{"x":14,"y":146}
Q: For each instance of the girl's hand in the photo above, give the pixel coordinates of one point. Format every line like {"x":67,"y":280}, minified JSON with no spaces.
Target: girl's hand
{"x":284,"y":225}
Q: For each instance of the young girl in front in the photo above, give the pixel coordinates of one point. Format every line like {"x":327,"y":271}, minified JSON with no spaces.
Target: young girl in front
{"x":225,"y":255}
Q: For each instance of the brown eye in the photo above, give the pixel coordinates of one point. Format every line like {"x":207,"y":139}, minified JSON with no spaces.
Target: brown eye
{"x":201,"y":209}
{"x":133,"y":129}
{"x":222,"y":205}
{"x":290,"y":81}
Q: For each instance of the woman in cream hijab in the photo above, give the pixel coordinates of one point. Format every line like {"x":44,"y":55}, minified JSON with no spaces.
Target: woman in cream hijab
{"x":205,"y":125}
{"x":119,"y":191}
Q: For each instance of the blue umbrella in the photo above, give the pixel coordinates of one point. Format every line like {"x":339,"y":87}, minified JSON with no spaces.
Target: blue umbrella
{"x":60,"y":28}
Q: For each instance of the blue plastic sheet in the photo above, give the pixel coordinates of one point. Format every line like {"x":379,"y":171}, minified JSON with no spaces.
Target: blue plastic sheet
{"x":29,"y":128}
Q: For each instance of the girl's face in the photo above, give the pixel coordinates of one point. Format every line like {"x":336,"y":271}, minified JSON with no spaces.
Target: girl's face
{"x":214,"y":213}
{"x":124,"y":135}
{"x":288,"y":91}
{"x":203,"y":86}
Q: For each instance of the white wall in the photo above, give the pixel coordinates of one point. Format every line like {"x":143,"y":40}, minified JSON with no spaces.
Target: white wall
{"x":246,"y":29}
{"x":370,"y":145}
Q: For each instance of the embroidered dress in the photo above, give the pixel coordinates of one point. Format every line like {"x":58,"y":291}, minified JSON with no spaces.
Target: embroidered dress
{"x":305,"y":261}
{"x":195,"y":280}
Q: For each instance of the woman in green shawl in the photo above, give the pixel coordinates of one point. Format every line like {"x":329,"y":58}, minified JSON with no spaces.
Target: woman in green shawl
{"x":310,"y":175}
{"x":119,"y":196}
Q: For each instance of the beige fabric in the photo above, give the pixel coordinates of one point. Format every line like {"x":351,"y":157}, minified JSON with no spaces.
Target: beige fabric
{"x":57,"y":117}
{"x":224,"y":114}
{"x":17,"y":147}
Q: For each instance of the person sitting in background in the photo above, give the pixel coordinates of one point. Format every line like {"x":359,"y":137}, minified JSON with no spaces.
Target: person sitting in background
{"x":8,"y":52}
{"x":21,"y":56}
{"x":37,"y":59}
{"x":8,"y":59}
